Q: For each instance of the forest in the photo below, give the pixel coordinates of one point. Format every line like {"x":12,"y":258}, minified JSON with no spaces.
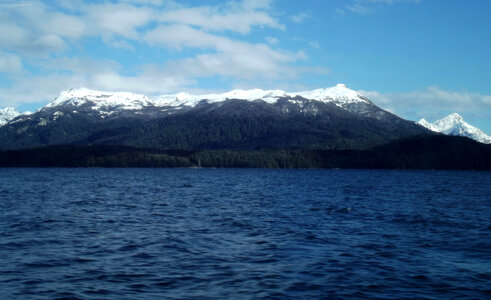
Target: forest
{"x":418,"y":152}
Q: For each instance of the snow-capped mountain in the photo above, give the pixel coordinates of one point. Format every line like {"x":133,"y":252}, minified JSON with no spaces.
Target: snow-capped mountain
{"x":8,"y":114}
{"x":454,"y":124}
{"x":339,"y":95}
{"x":329,"y":118}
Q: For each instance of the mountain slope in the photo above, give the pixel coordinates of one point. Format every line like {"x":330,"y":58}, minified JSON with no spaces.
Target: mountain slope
{"x":249,"y":125}
{"x":454,"y":124}
{"x":331,"y":118}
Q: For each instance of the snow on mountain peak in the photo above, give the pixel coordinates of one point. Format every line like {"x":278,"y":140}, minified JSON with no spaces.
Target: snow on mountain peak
{"x":187,"y":99}
{"x":100,"y":100}
{"x":449,"y":122}
{"x":454,"y":116}
{"x":425,"y":123}
{"x":338,"y":94}
{"x":8,"y":114}
{"x":454,"y":124}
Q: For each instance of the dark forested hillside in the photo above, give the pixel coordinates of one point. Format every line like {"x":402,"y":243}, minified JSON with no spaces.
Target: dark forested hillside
{"x":232,"y":124}
{"x":420,"y":152}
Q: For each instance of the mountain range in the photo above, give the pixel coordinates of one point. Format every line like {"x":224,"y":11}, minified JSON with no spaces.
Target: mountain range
{"x":331,"y":118}
{"x":454,"y":124}
{"x":325,"y":128}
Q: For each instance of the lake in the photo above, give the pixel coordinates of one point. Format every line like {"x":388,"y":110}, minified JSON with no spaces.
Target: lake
{"x":244,"y":234}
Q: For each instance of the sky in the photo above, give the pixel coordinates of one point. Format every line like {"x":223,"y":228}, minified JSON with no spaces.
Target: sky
{"x":415,"y":58}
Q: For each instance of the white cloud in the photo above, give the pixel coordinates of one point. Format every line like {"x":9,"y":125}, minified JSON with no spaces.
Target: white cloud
{"x":151,"y":81}
{"x":118,"y":19}
{"x":211,"y":39}
{"x":29,"y":28}
{"x":314,"y":44}
{"x":253,"y":4}
{"x":15,"y":38}
{"x":239,"y":19}
{"x":359,"y":9}
{"x":365,"y":7}
{"x":272,"y":40}
{"x":79,"y":65}
{"x":37,"y":17}
{"x":299,"y":17}
{"x":145,"y":2}
{"x":118,"y":43}
{"x":21,"y":23}
{"x":10,"y":63}
{"x":49,"y":41}
{"x":63,"y":25}
{"x":432,"y":102}
{"x":53,"y":31}
{"x":238,"y":65}
{"x":390,"y":1}
{"x":233,"y":57}
{"x":178,"y":36}
{"x":36,"y":89}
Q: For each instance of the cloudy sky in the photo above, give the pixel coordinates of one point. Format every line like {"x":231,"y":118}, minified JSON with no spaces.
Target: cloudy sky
{"x":416,"y":58}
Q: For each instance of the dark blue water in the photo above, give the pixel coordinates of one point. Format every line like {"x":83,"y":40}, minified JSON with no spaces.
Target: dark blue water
{"x":242,"y":234}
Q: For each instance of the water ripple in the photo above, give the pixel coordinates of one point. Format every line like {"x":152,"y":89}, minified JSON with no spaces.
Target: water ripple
{"x":243,"y":234}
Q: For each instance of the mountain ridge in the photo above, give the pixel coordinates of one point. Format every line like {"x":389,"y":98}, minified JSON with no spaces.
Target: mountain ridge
{"x":330,"y":118}
{"x":338,"y":94}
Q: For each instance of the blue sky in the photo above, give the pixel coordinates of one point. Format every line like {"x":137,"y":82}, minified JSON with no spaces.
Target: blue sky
{"x":415,"y":58}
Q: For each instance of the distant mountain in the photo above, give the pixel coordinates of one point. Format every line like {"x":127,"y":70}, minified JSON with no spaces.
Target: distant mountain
{"x":454,"y":124}
{"x":330,"y":118}
{"x":8,"y":114}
